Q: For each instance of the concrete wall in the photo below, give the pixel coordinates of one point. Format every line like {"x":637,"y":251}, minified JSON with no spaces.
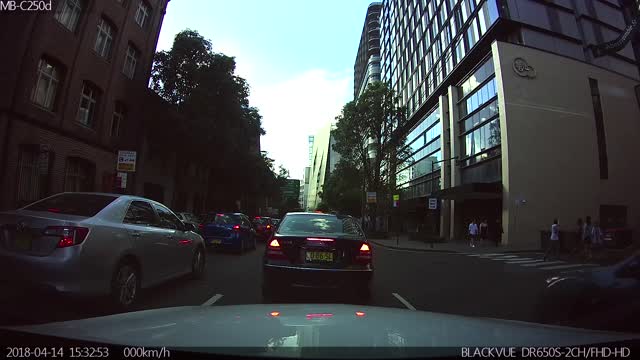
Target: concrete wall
{"x":549,"y":145}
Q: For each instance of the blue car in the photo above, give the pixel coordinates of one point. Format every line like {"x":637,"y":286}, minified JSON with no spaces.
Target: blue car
{"x":229,"y":231}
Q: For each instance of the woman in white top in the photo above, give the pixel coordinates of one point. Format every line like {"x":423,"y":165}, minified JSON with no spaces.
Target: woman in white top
{"x":554,"y":240}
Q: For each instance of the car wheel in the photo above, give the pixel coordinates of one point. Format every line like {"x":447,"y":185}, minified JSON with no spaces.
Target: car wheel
{"x":198,"y":263}
{"x":125,"y":285}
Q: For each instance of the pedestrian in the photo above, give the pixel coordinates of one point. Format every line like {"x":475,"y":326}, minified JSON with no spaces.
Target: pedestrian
{"x":484,"y":230}
{"x":596,"y":236}
{"x":498,"y":231}
{"x":473,"y":232}
{"x":554,"y":241}
{"x":587,"y":235}
{"x":578,"y":239}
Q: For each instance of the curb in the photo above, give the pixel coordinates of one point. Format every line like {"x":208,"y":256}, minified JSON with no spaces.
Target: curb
{"x":414,"y":249}
{"x":447,"y":251}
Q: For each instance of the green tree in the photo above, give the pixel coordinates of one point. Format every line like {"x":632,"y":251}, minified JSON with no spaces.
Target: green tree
{"x":366,"y":138}
{"x":220,"y":127}
{"x":342,"y":190}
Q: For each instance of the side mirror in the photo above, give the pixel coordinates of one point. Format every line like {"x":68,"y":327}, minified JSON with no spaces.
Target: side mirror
{"x":189,"y":227}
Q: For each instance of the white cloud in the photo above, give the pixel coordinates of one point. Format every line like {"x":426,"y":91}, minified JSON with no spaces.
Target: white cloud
{"x":298,"y":107}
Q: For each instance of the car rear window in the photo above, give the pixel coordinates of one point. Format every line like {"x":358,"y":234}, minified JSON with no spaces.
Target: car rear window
{"x":73,"y":204}
{"x":314,"y":224}
{"x":226,"y":219}
{"x":260,"y":221}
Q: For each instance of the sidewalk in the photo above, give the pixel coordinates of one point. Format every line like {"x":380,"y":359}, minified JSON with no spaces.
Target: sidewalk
{"x":604,"y":257}
{"x":403,"y":243}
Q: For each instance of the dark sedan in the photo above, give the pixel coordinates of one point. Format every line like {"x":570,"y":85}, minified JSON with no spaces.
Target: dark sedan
{"x":264,"y":226}
{"x":317,"y":251}
{"x":229,"y":231}
{"x":607,"y":297}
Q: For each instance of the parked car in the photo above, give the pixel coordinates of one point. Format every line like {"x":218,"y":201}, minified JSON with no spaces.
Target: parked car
{"x":97,"y":244}
{"x":317,"y":250}
{"x":264,"y":226}
{"x":608,"y":295}
{"x":189,"y":218}
{"x":229,"y":231}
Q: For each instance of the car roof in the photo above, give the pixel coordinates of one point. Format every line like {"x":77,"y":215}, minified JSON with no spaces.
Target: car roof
{"x":319,"y":214}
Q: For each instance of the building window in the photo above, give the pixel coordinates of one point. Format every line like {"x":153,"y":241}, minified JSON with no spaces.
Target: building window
{"x":130,"y":61}
{"x":142,"y":14}
{"x":79,"y":175}
{"x":118,"y":118}
{"x":33,"y":174}
{"x":68,"y":13}
{"x":88,"y":104}
{"x":600,"y":134}
{"x":104,"y":39}
{"x":46,"y":87}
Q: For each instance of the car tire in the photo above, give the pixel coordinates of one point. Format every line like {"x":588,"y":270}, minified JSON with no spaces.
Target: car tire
{"x":125,"y":285}
{"x":198,"y":263}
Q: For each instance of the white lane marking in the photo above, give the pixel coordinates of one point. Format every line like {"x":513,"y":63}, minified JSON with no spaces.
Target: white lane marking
{"x":566,"y":266}
{"x":504,"y":258}
{"x":544,"y":263}
{"x":213,"y":299}
{"x":405,"y":302}
{"x":523,"y":261}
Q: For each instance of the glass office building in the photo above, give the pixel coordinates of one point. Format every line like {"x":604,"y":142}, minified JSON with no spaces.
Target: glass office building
{"x":509,"y":112}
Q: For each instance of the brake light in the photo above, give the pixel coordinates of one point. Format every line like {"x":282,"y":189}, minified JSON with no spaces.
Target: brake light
{"x":360,"y":313}
{"x":69,"y":235}
{"x":274,"y":251}
{"x":236,"y":227}
{"x":200,"y":226}
{"x":320,"y":239}
{"x":184,"y":242}
{"x":257,"y":217}
{"x":364,"y":255}
{"x":268,"y":226}
{"x":274,"y":313}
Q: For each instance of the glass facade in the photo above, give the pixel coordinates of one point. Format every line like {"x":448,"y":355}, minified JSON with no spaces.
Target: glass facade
{"x":423,"y":155}
{"x":423,"y":40}
{"x":479,"y":116}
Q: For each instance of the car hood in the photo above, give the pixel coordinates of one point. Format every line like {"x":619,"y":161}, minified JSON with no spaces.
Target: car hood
{"x":296,"y":326}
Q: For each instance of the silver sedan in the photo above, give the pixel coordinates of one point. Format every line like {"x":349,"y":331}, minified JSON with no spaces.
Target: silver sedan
{"x":97,"y":244}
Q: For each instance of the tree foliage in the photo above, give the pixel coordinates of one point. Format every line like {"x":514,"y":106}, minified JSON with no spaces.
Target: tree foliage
{"x":366,"y":138}
{"x":219,"y":127}
{"x":342,"y":190}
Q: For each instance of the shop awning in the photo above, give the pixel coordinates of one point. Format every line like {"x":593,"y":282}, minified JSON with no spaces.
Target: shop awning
{"x":471,"y":191}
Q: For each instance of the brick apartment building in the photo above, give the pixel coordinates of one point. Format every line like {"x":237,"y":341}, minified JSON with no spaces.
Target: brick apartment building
{"x":74,"y":88}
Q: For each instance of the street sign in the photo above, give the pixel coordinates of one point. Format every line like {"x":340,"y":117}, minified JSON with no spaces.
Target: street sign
{"x":371,"y":198}
{"x":396,"y":197}
{"x":126,"y":161}
{"x":396,"y":200}
{"x":433,"y":203}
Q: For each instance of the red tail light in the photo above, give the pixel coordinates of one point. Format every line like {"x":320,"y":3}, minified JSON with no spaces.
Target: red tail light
{"x":274,"y":251}
{"x":268,"y":226}
{"x":360,"y":313}
{"x":364,"y":255}
{"x":200,"y":226}
{"x":69,"y":235}
{"x":320,"y":239}
{"x":236,"y":227}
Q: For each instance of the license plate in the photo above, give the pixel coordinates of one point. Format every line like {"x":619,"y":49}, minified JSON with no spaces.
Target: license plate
{"x":319,"y":256}
{"x":216,"y":241}
{"x":23,"y":240}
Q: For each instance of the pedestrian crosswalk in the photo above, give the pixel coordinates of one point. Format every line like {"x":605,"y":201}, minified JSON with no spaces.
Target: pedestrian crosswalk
{"x":531,"y":261}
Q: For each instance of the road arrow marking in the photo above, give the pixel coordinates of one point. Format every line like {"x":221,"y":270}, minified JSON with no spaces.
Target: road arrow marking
{"x":405,"y":302}
{"x":213,"y":299}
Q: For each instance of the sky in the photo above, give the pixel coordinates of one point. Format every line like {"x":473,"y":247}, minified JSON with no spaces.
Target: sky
{"x":297,"y":56}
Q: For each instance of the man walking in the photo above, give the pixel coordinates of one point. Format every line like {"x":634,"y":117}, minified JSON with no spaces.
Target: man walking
{"x":473,"y":232}
{"x":554,"y":241}
{"x":484,"y":231}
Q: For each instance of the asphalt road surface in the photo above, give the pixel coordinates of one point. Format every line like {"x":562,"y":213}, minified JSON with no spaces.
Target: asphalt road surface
{"x":491,"y":285}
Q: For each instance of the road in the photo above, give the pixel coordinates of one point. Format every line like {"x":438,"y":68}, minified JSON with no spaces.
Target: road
{"x":440,"y":282}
